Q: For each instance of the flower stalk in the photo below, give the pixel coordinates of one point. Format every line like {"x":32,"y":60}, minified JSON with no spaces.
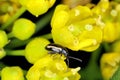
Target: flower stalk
{"x":15,"y":52}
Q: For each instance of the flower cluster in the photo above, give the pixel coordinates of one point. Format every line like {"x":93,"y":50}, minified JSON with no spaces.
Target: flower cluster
{"x":42,"y":68}
{"x":86,"y":27}
{"x":52,"y":67}
{"x":77,"y":23}
{"x":101,"y":23}
{"x":111,"y":34}
{"x":110,"y":61}
{"x":8,"y":9}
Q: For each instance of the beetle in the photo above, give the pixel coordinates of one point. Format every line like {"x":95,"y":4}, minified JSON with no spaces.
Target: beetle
{"x":56,"y":48}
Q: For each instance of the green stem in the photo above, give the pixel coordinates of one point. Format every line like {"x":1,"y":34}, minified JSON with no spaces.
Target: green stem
{"x":47,"y":36}
{"x":13,"y":18}
{"x":15,"y":52}
{"x":2,"y":65}
{"x":44,"y":20}
{"x":18,"y":43}
{"x":106,"y":47}
{"x":10,"y":35}
{"x":92,"y":68}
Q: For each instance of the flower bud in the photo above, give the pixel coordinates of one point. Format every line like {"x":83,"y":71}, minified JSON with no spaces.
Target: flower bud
{"x":38,"y":6}
{"x":12,"y":73}
{"x":2,"y":53}
{"x":35,"y":49}
{"x":23,"y":29}
{"x":109,"y":63}
{"x":3,"y":39}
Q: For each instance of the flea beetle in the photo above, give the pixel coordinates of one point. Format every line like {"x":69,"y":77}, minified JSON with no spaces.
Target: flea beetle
{"x":56,"y":48}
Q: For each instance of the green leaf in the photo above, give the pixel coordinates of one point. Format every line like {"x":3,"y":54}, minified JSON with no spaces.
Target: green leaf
{"x":116,"y":75}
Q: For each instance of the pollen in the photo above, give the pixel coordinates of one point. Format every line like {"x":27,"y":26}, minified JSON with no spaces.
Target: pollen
{"x":71,"y":27}
{"x":77,"y":12}
{"x":36,"y":15}
{"x":118,"y":7}
{"x":59,"y":66}
{"x":113,"y":12}
{"x":49,"y":74}
{"x":100,"y":22}
{"x":66,"y":78}
{"x":88,"y":27}
{"x":74,"y":71}
{"x":103,"y":10}
{"x":94,"y":41}
{"x":76,"y":42}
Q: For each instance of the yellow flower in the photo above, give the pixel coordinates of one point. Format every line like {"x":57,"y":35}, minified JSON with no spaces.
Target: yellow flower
{"x":118,"y":10}
{"x":109,"y":64}
{"x":37,"y":7}
{"x":64,"y":16}
{"x":75,"y":28}
{"x":111,"y":28}
{"x":12,"y":73}
{"x":101,"y":7}
{"x":110,"y":32}
{"x":52,"y":67}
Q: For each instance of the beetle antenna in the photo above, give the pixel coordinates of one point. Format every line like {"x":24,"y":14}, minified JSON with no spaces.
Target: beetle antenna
{"x":75,"y":58}
{"x":67,"y":59}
